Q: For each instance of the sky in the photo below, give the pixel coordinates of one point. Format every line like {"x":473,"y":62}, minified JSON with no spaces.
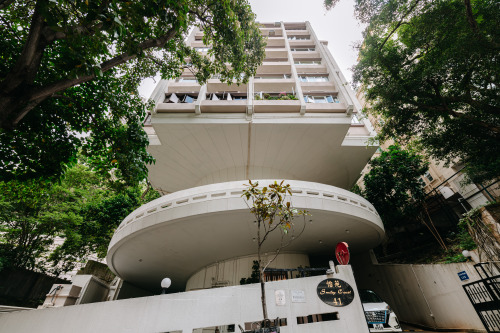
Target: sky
{"x":338,"y":26}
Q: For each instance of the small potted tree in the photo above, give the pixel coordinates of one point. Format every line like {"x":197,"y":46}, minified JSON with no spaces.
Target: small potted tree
{"x":273,"y":212}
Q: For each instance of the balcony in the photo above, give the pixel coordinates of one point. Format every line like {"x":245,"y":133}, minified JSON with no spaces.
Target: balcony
{"x":215,"y":85}
{"x":271,"y":32}
{"x":275,"y":42}
{"x":311,"y":83}
{"x":323,"y":103}
{"x":275,"y":103}
{"x":184,"y":84}
{"x":304,"y":55}
{"x":230,"y":102}
{"x":298,"y":43}
{"x":269,"y":67}
{"x":178,"y":103}
{"x":312,"y":66}
{"x":274,"y":83}
{"x":276,"y":53}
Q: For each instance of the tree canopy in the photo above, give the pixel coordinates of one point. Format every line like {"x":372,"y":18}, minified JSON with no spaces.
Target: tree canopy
{"x":82,"y":210}
{"x":69,"y":73}
{"x":430,"y":72}
{"x":393,"y":184}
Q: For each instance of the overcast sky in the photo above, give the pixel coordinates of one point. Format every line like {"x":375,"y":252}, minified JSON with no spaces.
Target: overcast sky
{"x":337,"y":26}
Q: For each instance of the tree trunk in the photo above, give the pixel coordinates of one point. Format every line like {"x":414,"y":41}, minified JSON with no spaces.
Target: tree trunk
{"x":263,"y":292}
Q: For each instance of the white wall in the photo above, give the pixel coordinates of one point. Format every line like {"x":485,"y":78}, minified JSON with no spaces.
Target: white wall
{"x":195,"y":309}
{"x":427,"y":295}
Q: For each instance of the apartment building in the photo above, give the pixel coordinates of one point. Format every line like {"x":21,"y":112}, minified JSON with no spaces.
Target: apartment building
{"x":449,"y":193}
{"x":295,"y":120}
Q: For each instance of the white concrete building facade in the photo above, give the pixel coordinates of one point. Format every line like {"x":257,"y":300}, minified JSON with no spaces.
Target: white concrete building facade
{"x":208,"y":140}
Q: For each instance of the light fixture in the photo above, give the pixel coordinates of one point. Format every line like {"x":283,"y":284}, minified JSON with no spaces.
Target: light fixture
{"x":347,"y":231}
{"x":165,"y":283}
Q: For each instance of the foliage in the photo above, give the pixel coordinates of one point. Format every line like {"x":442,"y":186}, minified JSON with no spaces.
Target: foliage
{"x":69,"y":73}
{"x":393,"y":184}
{"x":272,"y":212}
{"x":254,"y":277}
{"x":430,"y":72}
{"x":281,"y":97}
{"x":83,"y":210}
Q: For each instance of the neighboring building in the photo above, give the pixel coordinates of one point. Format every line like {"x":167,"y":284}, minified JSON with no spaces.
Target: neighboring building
{"x":449,"y":195}
{"x":209,"y":140}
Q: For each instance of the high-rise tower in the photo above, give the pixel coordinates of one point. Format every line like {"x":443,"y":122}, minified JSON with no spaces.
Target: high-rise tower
{"x":295,"y":120}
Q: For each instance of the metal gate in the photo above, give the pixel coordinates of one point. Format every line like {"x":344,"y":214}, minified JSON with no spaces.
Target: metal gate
{"x":485,"y":297}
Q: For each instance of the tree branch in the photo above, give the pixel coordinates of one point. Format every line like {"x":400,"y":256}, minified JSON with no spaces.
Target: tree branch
{"x":399,"y":24}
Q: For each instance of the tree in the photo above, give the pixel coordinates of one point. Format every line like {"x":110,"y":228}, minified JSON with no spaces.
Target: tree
{"x":69,"y":73}
{"x":272,"y":213}
{"x":430,"y":71}
{"x":393,"y":184}
{"x":83,"y":209}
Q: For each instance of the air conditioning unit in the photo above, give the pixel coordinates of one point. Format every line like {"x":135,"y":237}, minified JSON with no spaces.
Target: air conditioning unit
{"x":446,"y":192}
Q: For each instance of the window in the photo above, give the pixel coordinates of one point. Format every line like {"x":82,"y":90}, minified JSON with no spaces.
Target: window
{"x":321,"y":99}
{"x":427,"y":175}
{"x":202,"y":49}
{"x":278,"y":76}
{"x":421,"y":181}
{"x":186,"y":78}
{"x":226,"y":96}
{"x":298,"y":38}
{"x":303,"y":49}
{"x":307,"y":62}
{"x":305,"y":78}
{"x":181,"y":98}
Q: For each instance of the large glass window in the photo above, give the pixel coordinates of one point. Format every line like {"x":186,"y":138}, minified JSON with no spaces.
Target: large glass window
{"x":303,"y":49}
{"x":307,"y":62}
{"x":321,"y":99}
{"x":306,"y":78}
{"x":202,"y":49}
{"x":277,"y":76}
{"x":298,"y":37}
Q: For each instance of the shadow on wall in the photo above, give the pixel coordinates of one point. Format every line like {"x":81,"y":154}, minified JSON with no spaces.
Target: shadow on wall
{"x":430,"y":296}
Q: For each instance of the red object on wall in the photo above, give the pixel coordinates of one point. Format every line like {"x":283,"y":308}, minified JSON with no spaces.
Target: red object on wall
{"x":342,"y":253}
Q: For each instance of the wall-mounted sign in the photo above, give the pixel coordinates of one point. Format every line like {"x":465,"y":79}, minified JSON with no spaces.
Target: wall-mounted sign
{"x":298,"y":296}
{"x":463,"y":275}
{"x":342,"y":253}
{"x":280,"y":297}
{"x":335,"y":292}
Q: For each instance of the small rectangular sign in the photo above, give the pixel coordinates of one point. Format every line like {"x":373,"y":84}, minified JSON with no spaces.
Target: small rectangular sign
{"x":280,"y":297}
{"x":463,"y":275}
{"x":298,"y":296}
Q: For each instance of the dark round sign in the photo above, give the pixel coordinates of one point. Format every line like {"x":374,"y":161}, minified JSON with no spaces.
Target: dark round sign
{"x":335,"y":292}
{"x":342,"y":253}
